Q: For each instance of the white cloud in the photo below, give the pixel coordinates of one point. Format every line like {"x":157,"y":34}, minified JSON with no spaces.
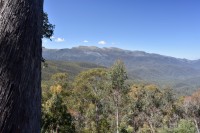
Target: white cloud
{"x":102,"y":42}
{"x":59,"y":39}
{"x":85,"y":41}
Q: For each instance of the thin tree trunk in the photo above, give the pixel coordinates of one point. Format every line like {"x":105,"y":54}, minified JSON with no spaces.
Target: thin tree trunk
{"x":97,"y":117}
{"x":196,"y":124}
{"x":117,"y":118}
{"x":20,"y":65}
{"x":151,"y":126}
{"x":116,"y":100}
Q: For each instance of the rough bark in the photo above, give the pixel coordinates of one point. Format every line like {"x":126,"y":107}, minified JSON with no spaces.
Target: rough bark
{"x":20,"y":65}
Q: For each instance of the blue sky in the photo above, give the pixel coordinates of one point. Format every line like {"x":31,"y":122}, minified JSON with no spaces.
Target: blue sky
{"x":167,"y":27}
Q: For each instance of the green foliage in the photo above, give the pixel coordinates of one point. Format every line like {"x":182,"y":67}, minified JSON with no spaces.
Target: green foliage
{"x":145,"y":129}
{"x":118,"y":90}
{"x":118,"y":77}
{"x":61,"y":79}
{"x":90,"y":84}
{"x":184,"y":126}
{"x":55,"y":116}
{"x":89,"y":92}
{"x":127,"y":129}
{"x":97,"y":99}
{"x":48,"y":28}
{"x":104,"y":126}
{"x":72,"y":68}
{"x":152,"y":107}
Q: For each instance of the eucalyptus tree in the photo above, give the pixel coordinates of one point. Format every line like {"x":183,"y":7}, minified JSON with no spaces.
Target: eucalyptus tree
{"x":21,"y":32}
{"x":119,"y":89}
{"x":55,"y":115}
{"x":91,"y":92}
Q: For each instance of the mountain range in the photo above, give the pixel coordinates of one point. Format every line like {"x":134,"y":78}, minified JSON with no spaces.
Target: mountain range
{"x":181,"y":74}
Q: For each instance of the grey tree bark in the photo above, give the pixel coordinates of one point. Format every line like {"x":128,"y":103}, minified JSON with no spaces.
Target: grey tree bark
{"x":20,"y":65}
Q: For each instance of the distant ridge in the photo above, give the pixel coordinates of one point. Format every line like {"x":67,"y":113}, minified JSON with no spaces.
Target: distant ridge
{"x":141,"y":66}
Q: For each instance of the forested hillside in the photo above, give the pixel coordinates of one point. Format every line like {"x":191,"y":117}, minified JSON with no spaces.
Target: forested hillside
{"x":180,"y":74}
{"x":72,"y":68}
{"x":101,"y":100}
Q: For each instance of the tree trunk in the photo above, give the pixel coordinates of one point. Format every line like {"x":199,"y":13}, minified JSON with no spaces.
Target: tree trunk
{"x":20,"y":65}
{"x":97,"y":117}
{"x":117,"y":117}
{"x":196,"y":124}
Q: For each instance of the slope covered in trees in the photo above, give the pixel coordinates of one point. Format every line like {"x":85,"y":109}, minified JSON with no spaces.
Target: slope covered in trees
{"x":100,"y":100}
{"x":72,"y":68}
{"x":181,"y":74}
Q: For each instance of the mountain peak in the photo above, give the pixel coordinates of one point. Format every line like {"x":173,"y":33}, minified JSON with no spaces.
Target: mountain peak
{"x":86,"y":48}
{"x":140,"y":65}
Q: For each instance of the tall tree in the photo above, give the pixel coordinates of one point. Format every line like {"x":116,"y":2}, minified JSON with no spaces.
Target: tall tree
{"x":91,"y":92}
{"x":20,"y":65}
{"x":118,"y":76}
{"x":55,"y":116}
